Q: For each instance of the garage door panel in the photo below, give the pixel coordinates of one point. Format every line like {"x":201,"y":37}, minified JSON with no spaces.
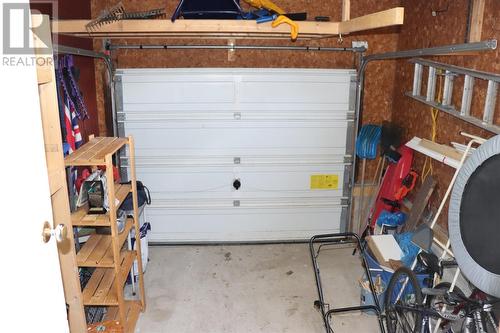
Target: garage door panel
{"x":206,"y":138}
{"x":295,"y":75}
{"x":286,"y":181}
{"x":235,"y":224}
{"x":234,"y":74}
{"x":255,"y":108}
{"x":205,"y":203}
{"x":221,"y":156}
{"x":225,"y":196}
{"x":297,"y":92}
{"x":198,"y":130}
{"x":190,"y":181}
{"x":218,"y":181}
{"x":179,"y":92}
{"x":235,"y":125}
{"x":254,"y":113}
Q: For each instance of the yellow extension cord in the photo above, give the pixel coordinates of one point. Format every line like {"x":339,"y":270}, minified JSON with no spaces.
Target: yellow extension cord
{"x":427,"y":169}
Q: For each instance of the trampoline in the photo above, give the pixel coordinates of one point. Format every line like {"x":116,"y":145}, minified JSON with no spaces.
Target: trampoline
{"x":474,"y":217}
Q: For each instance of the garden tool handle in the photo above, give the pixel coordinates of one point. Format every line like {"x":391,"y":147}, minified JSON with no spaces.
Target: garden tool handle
{"x":294,"y":33}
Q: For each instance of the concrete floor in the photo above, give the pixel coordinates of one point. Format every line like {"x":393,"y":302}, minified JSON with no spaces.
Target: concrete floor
{"x":248,"y":288}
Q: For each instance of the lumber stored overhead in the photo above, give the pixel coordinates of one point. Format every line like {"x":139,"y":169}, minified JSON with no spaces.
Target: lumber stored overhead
{"x":239,"y":29}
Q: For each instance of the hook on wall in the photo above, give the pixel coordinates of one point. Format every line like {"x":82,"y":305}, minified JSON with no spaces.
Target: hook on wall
{"x":340,"y":40}
{"x":435,"y":12}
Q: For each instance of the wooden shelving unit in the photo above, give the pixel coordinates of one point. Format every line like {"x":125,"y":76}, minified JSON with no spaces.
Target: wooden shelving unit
{"x":108,"y":253}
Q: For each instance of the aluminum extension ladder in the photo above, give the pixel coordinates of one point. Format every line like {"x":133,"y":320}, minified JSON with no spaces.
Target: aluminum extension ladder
{"x":450,"y":72}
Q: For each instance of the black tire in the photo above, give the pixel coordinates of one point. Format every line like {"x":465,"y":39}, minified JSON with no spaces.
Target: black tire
{"x":399,"y":319}
{"x":435,"y":302}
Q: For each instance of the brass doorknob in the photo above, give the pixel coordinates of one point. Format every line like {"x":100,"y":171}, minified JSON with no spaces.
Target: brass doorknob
{"x":60,"y":232}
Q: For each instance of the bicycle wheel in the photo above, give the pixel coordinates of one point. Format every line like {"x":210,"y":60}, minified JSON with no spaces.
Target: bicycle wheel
{"x":491,"y":322}
{"x":403,"y":297}
{"x":488,"y":318}
{"x":437,"y":303}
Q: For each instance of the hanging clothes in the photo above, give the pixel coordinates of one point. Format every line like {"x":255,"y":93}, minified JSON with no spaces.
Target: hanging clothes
{"x":71,"y":108}
{"x":73,"y":135}
{"x":71,"y":89}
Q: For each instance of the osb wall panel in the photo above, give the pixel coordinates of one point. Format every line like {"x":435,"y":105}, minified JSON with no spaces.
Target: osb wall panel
{"x":420,"y":30}
{"x":378,"y":101}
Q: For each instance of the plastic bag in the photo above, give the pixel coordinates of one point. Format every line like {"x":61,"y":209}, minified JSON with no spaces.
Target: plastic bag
{"x":409,"y":249}
{"x":391,"y":219}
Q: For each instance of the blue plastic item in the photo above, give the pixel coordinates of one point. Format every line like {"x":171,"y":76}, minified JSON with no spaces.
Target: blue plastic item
{"x":367,"y":141}
{"x":66,"y":148}
{"x":409,"y":249}
{"x":366,"y":297}
{"x":268,"y":18}
{"x":144,"y":229}
{"x":385,"y":274}
{"x":395,"y":219}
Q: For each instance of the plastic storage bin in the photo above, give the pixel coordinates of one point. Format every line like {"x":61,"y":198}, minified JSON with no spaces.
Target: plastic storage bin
{"x":367,"y":296}
{"x":376,"y":269}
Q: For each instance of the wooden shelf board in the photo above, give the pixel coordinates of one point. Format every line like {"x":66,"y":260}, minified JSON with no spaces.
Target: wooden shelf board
{"x":192,"y":28}
{"x":240,"y":29}
{"x":112,"y":313}
{"x":80,"y":218}
{"x":98,"y":250}
{"x":101,"y":288}
{"x":386,"y":18}
{"x":94,"y":152}
{"x":132,"y":312}
{"x":266,"y":36}
{"x":127,"y":259}
{"x":442,"y":153}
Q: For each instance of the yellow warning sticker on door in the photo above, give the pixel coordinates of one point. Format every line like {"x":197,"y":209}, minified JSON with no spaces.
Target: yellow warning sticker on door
{"x":324,"y":182}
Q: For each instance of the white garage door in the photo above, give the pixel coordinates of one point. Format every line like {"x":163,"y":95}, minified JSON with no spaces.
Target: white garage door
{"x":240,"y":154}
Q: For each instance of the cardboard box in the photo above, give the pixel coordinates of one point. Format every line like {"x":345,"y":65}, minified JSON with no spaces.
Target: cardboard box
{"x":384,"y":248}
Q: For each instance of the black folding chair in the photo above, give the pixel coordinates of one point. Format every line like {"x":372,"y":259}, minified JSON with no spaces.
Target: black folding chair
{"x":212,"y":9}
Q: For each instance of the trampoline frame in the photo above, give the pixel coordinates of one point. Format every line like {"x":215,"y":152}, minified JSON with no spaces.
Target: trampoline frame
{"x":485,"y":280}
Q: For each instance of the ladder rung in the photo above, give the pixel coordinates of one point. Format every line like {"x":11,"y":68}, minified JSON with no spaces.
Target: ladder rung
{"x":448,"y":88}
{"x":485,"y":121}
{"x":431,"y":85}
{"x":467,"y":95}
{"x":417,"y":79}
{"x":489,"y":104}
